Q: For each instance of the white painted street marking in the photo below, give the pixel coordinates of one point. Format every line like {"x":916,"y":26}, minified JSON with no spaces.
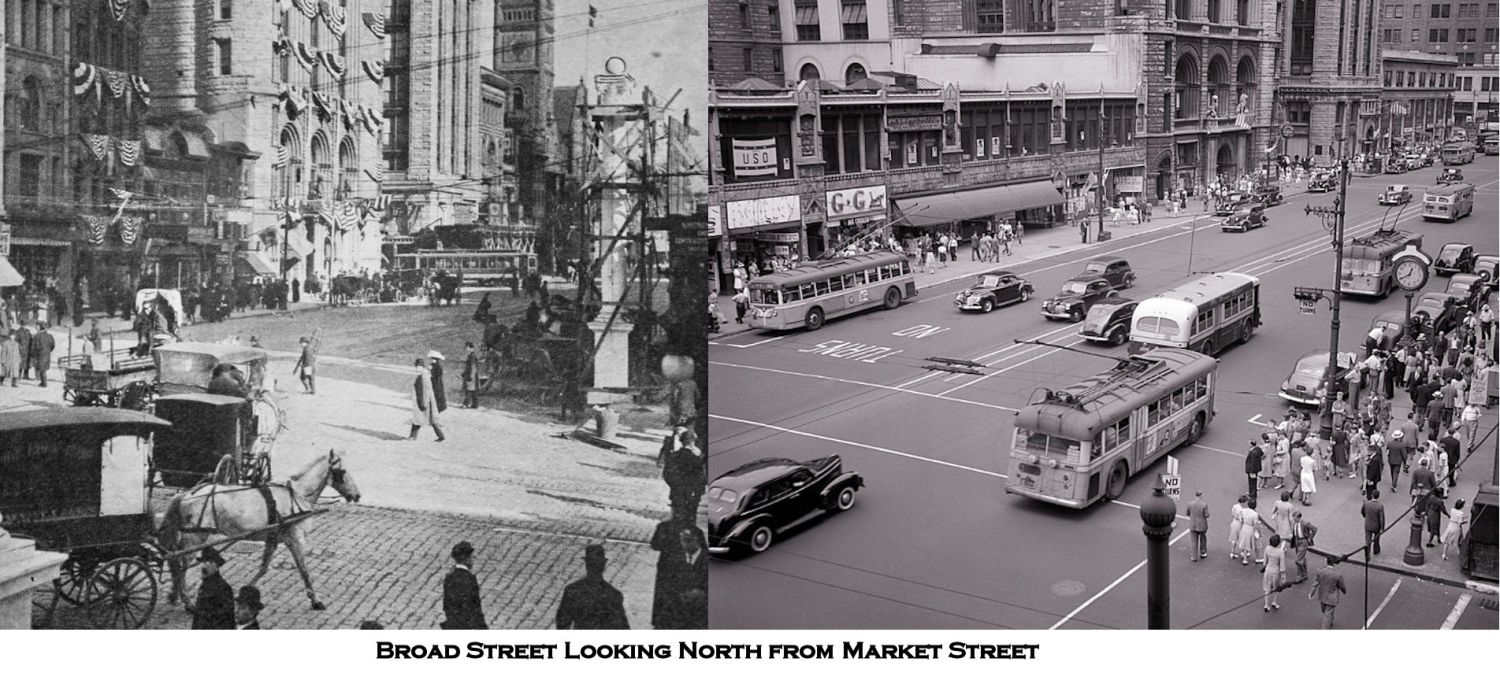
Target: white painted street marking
{"x":1253,"y":420}
{"x":851,"y":350}
{"x":1112,"y":585}
{"x":1205,"y":447}
{"x":865,"y":384}
{"x":1458,"y":611}
{"x":1383,"y":603}
{"x":920,"y":331}
{"x":859,"y":445}
{"x":749,"y":345}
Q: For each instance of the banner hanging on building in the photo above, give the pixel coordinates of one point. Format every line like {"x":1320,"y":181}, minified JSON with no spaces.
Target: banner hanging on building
{"x":754,"y":157}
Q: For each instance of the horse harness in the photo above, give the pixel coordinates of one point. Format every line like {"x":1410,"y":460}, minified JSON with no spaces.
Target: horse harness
{"x":273,"y":516}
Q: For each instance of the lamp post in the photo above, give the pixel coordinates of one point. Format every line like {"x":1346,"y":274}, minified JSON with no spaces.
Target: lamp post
{"x":1099,"y":196}
{"x":1159,"y":514}
{"x":1332,"y":217}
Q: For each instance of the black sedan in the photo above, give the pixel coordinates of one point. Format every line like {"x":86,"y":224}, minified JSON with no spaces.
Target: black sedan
{"x":1454,"y":258}
{"x":994,"y":288}
{"x":1304,"y":383}
{"x":1116,"y":270}
{"x":1076,"y":297}
{"x":753,"y":503}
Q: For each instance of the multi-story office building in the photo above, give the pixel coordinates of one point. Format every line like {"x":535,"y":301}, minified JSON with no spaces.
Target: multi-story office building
{"x":1467,"y":31}
{"x":1417,"y":101}
{"x":1330,"y":78}
{"x":924,"y":104}
{"x":523,"y":54}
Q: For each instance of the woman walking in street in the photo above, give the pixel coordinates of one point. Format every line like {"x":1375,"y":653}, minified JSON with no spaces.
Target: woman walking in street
{"x":1309,"y":483}
{"x":1458,"y":520}
{"x":1436,"y":509}
{"x":1274,"y":579}
{"x":424,"y":403}
{"x":1280,"y":460}
{"x":1235,"y":523}
{"x":1281,"y":515}
{"x":1250,"y":525}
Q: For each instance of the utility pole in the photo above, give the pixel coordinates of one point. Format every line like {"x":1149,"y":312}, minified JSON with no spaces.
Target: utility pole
{"x":1158,"y":514}
{"x":1331,"y":216}
{"x":1099,"y":196}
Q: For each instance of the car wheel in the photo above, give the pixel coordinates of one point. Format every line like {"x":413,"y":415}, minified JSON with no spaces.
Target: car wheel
{"x":892,"y":298}
{"x":1116,"y":483}
{"x":761,"y":538}
{"x":1075,"y":315}
{"x":814,"y":318}
{"x":1129,"y":280}
{"x":845,"y":499}
{"x":987,"y":304}
{"x":1118,"y":336}
{"x":1196,"y":429}
{"x":1025,"y":294}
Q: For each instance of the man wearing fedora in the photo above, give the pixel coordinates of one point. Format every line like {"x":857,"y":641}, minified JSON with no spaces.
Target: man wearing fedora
{"x":461,"y":592}
{"x":215,"y":606}
{"x":439,"y":390}
{"x":307,"y":367}
{"x":247,"y":607}
{"x":592,"y":603}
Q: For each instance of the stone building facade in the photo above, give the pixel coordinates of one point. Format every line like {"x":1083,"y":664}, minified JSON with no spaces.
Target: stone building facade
{"x":1469,"y":32}
{"x":523,"y":54}
{"x":1416,"y":103}
{"x":1330,"y":78}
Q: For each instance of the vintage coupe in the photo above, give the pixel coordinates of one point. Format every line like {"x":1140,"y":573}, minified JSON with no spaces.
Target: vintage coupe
{"x":1076,"y":297}
{"x":1308,"y":375}
{"x":994,"y":288}
{"x":753,"y":503}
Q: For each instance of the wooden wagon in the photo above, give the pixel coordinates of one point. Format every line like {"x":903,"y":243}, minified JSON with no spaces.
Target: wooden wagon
{"x":119,"y":378}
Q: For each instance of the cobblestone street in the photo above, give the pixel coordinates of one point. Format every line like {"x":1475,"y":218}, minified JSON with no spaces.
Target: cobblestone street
{"x":387,"y":565}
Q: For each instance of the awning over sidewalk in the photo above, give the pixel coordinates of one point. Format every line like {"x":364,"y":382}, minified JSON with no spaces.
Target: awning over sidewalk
{"x":9,"y":277}
{"x":926,"y":211}
{"x":258,"y":262}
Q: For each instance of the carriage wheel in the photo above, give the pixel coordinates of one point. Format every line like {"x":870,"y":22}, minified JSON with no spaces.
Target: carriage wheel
{"x":73,"y":579}
{"x":122,"y":594}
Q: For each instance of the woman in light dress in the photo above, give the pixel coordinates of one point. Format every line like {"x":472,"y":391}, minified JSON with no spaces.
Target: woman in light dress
{"x":1458,"y":519}
{"x":1234,"y":527}
{"x":1281,"y":515}
{"x":1280,"y":460}
{"x":1250,"y":525}
{"x":1274,"y":579}
{"x":1309,"y":479}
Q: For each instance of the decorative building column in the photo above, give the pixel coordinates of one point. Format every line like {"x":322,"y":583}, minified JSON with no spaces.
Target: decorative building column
{"x":619,"y":123}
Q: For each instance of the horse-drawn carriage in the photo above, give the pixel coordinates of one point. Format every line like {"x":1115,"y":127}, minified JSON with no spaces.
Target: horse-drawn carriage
{"x":76,"y":480}
{"x":351,"y":290}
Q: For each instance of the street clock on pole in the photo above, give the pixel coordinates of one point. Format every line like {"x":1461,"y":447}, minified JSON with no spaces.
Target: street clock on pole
{"x":1412,"y":268}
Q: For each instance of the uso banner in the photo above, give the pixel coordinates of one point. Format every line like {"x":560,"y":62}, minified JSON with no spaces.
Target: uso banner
{"x":753,"y":158}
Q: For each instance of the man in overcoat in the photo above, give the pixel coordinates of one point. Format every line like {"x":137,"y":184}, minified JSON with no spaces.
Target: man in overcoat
{"x":461,"y":607}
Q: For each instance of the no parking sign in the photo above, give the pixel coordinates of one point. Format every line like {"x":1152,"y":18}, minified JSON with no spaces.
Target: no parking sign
{"x":1172,"y":481}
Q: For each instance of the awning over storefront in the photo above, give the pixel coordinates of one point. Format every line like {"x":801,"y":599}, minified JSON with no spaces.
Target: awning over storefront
{"x":926,"y":211}
{"x":258,"y":262}
{"x":9,"y":277}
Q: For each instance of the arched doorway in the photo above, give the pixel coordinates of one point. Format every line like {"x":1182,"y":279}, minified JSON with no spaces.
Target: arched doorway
{"x":1163,"y":175}
{"x":854,"y":73}
{"x":807,"y":72}
{"x":1218,"y":87}
{"x":1186,"y":85}
{"x":1224,"y":165}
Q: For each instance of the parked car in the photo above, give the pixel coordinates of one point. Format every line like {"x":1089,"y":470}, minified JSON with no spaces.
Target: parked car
{"x":1076,"y":297}
{"x":1322,"y":181}
{"x":1245,"y":219}
{"x":1109,"y":320}
{"x":1450,"y":176}
{"x":1396,"y":195}
{"x":1268,"y":195}
{"x":1114,"y":269}
{"x":1488,"y":268}
{"x":1436,"y":309}
{"x":1454,"y":258}
{"x":1231,"y":202}
{"x":1429,"y":157}
{"x":1468,"y":288}
{"x":1393,"y":324}
{"x":753,"y":503}
{"x":994,"y":288}
{"x":1414,"y":161}
{"x":1310,"y":370}
{"x":1395,"y":166}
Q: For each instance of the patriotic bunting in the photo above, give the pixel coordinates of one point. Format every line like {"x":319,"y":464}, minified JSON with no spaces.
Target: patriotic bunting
{"x":98,"y":144}
{"x":130,"y":151}
{"x":97,"y":226}
{"x":85,"y":78}
{"x":377,"y":175}
{"x":142,"y":89}
{"x":118,"y":7}
{"x":333,"y":63}
{"x":375,"y":70}
{"x":347,"y":216}
{"x":376,"y":207}
{"x":325,"y":108}
{"x":116,"y":81}
{"x":376,"y":23}
{"x":336,"y":19}
{"x":280,"y":45}
{"x":309,"y":8}
{"x":346,"y":113}
{"x":130,"y":227}
{"x":281,"y":157}
{"x":307,"y":57}
{"x":329,"y":212}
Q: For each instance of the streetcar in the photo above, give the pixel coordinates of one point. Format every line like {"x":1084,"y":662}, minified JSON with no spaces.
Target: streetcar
{"x":810,"y":294}
{"x":484,"y":267}
{"x":1078,"y":445}
{"x":1457,"y":152}
{"x":1448,"y":202}
{"x":1205,"y":314}
{"x":1367,"y":261}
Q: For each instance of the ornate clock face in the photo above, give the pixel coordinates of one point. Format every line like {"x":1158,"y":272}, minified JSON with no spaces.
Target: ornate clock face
{"x":1411,"y":274}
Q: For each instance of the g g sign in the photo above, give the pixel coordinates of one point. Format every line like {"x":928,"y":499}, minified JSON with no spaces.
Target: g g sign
{"x":846,"y":203}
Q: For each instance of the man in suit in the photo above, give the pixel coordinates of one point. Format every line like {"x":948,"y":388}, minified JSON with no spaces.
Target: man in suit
{"x":22,"y":335}
{"x":1374,"y":513}
{"x":247,"y":607}
{"x":215,"y":606}
{"x":1422,"y":480}
{"x":1254,"y":460}
{"x":1328,"y":587}
{"x":1303,"y":534}
{"x":461,"y":592}
{"x":42,"y":345}
{"x":683,"y":469}
{"x":681,"y":597}
{"x":1449,"y":445}
{"x":592,"y":603}
{"x":1197,"y":511}
{"x":307,"y":367}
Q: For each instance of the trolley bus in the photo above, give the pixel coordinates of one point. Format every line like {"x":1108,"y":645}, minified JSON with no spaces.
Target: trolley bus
{"x":1205,"y":314}
{"x":1448,"y":202}
{"x":1367,"y":261}
{"x":479,"y":266}
{"x":809,"y":294}
{"x":1076,"y":446}
{"x":1457,"y":152}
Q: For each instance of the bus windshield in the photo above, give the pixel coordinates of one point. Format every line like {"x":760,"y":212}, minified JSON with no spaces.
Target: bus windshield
{"x":1362,"y":266}
{"x":1159,"y":326}
{"x":1044,"y":444}
{"x":763,"y":296}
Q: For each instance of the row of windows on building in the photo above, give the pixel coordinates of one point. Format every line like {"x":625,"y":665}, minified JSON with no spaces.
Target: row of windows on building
{"x":1485,"y":83}
{"x":1419,"y":79}
{"x":1440,"y":35}
{"x":1466,"y":10}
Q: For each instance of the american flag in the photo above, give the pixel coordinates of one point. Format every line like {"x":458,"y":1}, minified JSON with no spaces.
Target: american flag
{"x":281,"y":157}
{"x":376,"y":23}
